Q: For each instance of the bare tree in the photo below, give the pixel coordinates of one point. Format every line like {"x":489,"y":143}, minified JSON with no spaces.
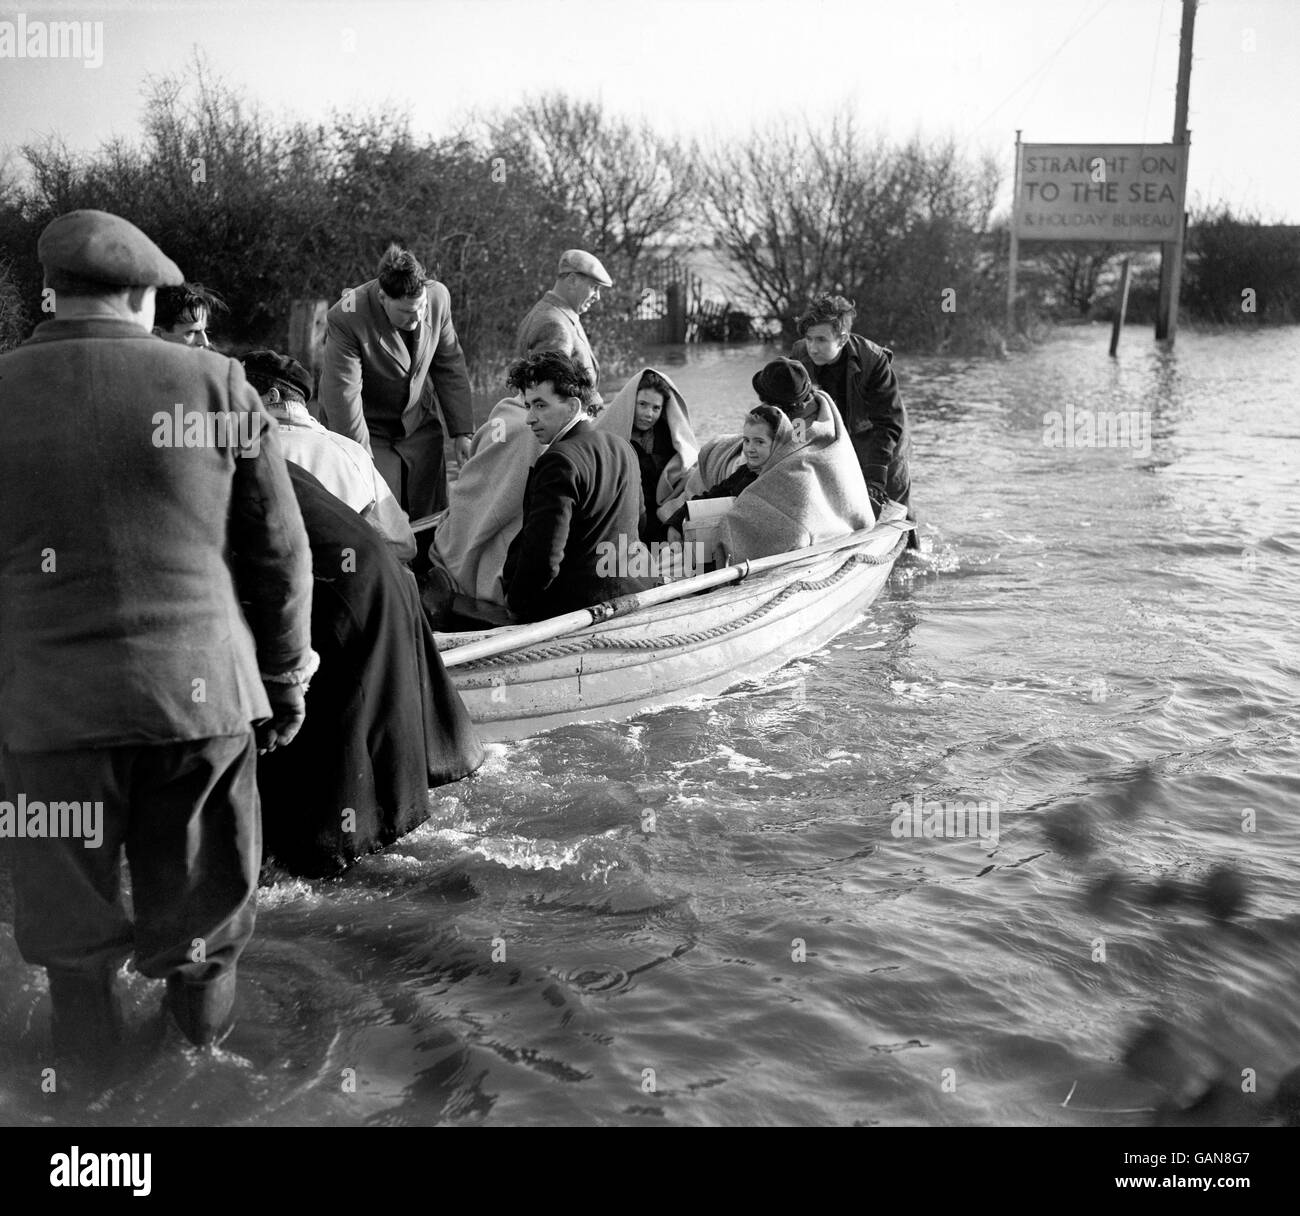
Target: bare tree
{"x":630,"y":186}
{"x":1076,"y":267}
{"x":799,"y":211}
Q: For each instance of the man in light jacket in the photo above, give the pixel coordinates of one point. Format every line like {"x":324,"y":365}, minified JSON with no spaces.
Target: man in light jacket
{"x":553,"y":322}
{"x":393,"y":365}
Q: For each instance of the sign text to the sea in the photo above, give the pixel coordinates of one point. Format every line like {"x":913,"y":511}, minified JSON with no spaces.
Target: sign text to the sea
{"x":1100,"y":192}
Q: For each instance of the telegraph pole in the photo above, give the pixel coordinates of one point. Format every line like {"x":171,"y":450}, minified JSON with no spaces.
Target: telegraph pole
{"x":1171,"y":252}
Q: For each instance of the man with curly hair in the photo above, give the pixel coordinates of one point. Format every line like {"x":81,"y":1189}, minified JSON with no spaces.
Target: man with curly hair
{"x":583,"y":497}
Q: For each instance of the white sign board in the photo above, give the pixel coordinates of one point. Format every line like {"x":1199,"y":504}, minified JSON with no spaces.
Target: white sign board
{"x":1099,"y":192}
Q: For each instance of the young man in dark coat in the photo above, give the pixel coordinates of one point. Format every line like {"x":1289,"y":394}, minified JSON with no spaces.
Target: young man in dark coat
{"x":582,"y":504}
{"x":155,"y":599}
{"x":392,"y":364}
{"x":859,"y":376}
{"x":384,"y":722}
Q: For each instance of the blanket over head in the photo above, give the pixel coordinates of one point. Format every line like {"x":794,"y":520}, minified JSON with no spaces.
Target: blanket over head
{"x":618,"y":416}
{"x":486,"y":502}
{"x":810,"y":490}
{"x":718,"y":459}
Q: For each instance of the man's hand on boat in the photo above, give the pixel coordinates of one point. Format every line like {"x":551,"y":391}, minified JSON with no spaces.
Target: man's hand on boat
{"x":288,"y":712}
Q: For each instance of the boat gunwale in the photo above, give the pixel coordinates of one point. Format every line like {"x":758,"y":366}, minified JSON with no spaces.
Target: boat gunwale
{"x":766,"y":582}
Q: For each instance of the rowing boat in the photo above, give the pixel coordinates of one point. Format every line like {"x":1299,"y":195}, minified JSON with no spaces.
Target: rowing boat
{"x":690,"y":639}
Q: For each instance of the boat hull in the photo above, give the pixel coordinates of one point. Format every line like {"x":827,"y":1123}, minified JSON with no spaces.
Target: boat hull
{"x":689,"y":648}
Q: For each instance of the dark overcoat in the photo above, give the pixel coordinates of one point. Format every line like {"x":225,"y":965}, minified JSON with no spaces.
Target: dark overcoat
{"x":583,"y":507}
{"x":383,"y":720}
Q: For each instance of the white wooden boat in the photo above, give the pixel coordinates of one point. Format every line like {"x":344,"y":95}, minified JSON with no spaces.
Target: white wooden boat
{"x":693,"y":638}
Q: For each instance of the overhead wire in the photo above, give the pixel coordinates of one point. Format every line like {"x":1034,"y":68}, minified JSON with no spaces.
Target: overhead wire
{"x":1080,"y":26}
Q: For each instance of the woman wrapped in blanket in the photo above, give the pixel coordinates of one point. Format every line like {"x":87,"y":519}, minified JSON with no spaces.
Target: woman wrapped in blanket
{"x":811,"y":489}
{"x":766,"y":429}
{"x":651,"y":413}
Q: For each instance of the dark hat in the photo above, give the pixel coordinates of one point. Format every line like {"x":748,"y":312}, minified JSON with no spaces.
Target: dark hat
{"x":577,"y":262}
{"x":106,"y":249}
{"x":268,"y":367}
{"x":783,"y":382}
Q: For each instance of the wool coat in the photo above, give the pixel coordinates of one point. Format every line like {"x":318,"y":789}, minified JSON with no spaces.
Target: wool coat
{"x":372,"y":391}
{"x":583,"y":501}
{"x":152,"y":555}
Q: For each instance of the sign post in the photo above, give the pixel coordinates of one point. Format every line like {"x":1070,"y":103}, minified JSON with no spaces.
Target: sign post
{"x":1171,"y":253}
{"x":1121,"y":193}
{"x":1015,"y":251}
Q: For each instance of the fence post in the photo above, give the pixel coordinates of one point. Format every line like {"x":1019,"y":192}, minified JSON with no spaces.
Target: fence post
{"x":307,"y":334}
{"x":676,"y":312}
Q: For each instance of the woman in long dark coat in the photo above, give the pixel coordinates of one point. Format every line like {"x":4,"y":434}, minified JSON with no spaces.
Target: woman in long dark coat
{"x":383,"y":720}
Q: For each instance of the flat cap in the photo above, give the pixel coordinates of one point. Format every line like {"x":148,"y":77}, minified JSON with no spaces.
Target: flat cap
{"x":106,"y":249}
{"x":783,"y":382}
{"x":266,"y":367}
{"x":583,"y":263}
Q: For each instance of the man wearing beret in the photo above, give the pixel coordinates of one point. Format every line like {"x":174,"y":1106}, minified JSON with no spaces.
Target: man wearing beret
{"x":340,"y":464}
{"x":152,"y":613}
{"x":859,"y":376}
{"x":553,"y":323}
{"x":392,"y":364}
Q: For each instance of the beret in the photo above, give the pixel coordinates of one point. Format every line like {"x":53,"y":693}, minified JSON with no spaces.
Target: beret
{"x":583,"y":263}
{"x":782,"y":382}
{"x":106,"y":249}
{"x":268,"y":366}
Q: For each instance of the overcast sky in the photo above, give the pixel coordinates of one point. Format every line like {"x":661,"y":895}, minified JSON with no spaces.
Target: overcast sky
{"x":1063,"y":70}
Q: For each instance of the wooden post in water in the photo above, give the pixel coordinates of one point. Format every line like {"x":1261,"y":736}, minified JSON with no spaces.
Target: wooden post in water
{"x":1123,"y":308}
{"x":1015,"y":245}
{"x":1171,"y":252}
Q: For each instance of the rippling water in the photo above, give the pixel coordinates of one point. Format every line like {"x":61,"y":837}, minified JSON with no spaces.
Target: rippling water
{"x":1099,"y":643}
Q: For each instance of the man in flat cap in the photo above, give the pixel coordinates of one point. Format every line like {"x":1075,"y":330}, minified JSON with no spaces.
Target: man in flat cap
{"x":131,"y":679}
{"x":340,"y":464}
{"x":553,"y":322}
{"x":393,"y":364}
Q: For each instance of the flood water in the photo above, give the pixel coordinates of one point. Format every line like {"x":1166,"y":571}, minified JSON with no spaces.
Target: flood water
{"x":1097,"y":647}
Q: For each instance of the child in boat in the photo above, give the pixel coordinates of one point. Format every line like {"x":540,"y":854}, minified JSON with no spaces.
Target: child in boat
{"x":765,"y":426}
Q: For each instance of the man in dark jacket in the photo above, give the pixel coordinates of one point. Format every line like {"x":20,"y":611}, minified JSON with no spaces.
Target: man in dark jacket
{"x":143,"y":496}
{"x":859,"y":376}
{"x":582,"y":498}
{"x":392,"y":363}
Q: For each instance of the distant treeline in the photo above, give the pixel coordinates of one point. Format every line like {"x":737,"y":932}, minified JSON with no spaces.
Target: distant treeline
{"x":269,"y":211}
{"x":1237,"y":270}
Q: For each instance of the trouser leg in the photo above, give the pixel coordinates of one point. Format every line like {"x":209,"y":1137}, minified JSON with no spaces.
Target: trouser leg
{"x":899,"y":488}
{"x":68,"y":913}
{"x":195,"y":849}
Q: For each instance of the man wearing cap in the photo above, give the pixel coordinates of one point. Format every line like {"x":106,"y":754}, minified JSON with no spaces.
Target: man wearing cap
{"x":130,"y":678}
{"x":553,"y":322}
{"x":340,"y":464}
{"x":859,"y":376}
{"x":393,"y":363}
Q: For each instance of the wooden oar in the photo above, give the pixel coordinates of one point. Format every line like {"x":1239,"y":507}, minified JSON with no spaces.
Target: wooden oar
{"x":520,"y":636}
